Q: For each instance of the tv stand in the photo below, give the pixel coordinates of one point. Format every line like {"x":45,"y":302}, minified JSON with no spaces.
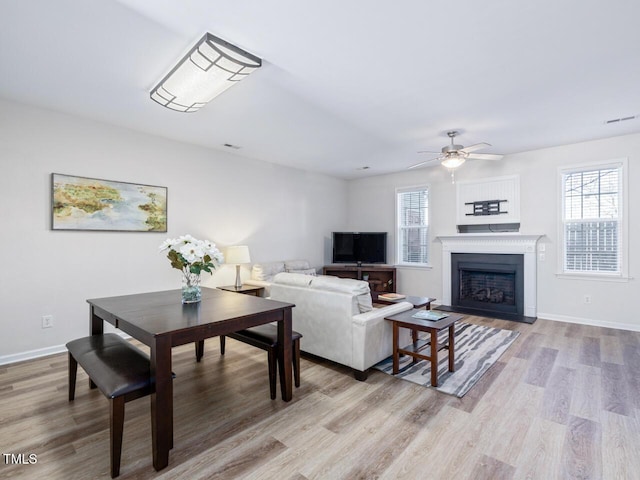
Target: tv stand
{"x":380,"y":278}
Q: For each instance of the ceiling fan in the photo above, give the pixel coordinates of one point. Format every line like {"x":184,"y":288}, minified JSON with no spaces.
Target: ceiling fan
{"x":453,"y":156}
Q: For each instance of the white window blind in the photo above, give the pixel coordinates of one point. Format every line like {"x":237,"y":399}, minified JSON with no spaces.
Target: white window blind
{"x":413,"y":226}
{"x":592,"y":220}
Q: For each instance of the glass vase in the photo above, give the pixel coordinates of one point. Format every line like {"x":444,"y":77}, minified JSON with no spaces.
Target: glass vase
{"x":191,"y":292}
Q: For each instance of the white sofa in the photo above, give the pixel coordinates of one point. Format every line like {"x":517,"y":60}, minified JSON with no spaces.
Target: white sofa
{"x":337,"y":319}
{"x":262,"y":274}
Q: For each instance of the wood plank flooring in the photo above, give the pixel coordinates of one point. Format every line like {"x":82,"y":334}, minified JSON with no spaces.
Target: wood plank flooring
{"x":563,"y":402}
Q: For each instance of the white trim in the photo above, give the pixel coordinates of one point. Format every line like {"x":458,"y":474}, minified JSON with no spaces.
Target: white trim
{"x":397,"y":246}
{"x":596,"y":277}
{"x":589,"y":321}
{"x":623,"y":219}
{"x":32,"y":354}
{"x":41,"y":352}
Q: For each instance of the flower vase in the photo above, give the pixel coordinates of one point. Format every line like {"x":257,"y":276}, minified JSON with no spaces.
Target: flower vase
{"x":191,"y":292}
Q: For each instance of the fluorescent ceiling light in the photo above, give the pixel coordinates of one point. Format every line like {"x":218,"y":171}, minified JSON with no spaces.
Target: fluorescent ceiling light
{"x":211,"y":67}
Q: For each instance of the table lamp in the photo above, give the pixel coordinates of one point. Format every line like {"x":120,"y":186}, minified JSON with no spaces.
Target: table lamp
{"x":238,"y":254}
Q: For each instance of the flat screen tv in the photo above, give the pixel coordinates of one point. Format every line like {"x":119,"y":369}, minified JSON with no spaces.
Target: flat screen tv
{"x":359,"y":247}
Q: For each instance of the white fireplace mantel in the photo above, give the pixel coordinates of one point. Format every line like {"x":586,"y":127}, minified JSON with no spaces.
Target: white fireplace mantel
{"x":507,"y":243}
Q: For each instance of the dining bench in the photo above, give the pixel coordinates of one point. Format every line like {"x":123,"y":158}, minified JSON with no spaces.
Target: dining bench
{"x":264,"y":337}
{"x":120,"y":371}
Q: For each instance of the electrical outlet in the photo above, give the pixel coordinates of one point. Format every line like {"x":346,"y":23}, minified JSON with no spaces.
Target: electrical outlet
{"x":541,"y":257}
{"x":587,"y":299}
{"x":47,"y":321}
{"x":541,"y":247}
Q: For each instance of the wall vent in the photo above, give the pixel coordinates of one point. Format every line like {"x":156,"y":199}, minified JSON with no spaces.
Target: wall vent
{"x":618,"y":120}
{"x":229,"y":145}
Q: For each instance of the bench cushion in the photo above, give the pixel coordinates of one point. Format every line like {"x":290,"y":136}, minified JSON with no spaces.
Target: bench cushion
{"x":267,"y":334}
{"x":112,"y":363}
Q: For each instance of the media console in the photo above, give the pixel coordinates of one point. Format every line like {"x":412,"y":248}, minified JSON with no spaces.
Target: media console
{"x":381,"y":279}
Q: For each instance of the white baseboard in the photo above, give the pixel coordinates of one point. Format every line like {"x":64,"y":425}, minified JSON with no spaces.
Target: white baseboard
{"x":31,"y":354}
{"x":589,"y":321}
{"x":39,"y":353}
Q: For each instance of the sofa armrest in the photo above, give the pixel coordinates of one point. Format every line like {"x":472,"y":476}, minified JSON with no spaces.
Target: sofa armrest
{"x":373,"y":335}
{"x":377,"y":313}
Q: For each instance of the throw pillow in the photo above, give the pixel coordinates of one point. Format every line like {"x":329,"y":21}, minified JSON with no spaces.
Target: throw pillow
{"x":306,"y":271}
{"x":290,"y":265}
{"x":293,"y":279}
{"x":266,"y":271}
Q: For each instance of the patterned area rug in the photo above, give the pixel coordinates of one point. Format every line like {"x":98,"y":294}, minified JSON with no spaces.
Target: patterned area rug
{"x":476,"y":348}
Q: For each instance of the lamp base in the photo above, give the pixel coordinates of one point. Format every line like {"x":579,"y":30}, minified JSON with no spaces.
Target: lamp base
{"x":238,"y":279}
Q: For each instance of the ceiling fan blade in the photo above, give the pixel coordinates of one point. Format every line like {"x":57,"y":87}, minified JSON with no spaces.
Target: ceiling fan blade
{"x":433,"y":161}
{"x":485,"y":156}
{"x":427,"y":151}
{"x":473,"y":148}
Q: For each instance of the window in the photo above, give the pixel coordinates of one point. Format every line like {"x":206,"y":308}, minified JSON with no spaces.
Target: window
{"x":592,"y":219}
{"x":413,"y":226}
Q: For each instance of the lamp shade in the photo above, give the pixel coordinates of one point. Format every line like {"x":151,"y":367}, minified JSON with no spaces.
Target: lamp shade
{"x":212,"y":66}
{"x":237,"y":254}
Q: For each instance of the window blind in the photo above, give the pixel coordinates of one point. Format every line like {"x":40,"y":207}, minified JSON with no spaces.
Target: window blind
{"x":591,"y":220}
{"x":413,"y":226}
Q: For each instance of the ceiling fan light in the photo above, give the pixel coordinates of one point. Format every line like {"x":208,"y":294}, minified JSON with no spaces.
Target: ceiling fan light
{"x":453,"y":161}
{"x":210,"y":68}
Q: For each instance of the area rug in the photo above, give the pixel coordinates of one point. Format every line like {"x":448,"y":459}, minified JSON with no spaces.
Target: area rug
{"x":477,"y":347}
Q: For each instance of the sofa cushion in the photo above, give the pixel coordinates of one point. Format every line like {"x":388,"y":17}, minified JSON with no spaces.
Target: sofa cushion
{"x":293,"y":279}
{"x":266,"y":271}
{"x":357,"y":288}
{"x":342,"y":285}
{"x":305,"y":271}
{"x":290,"y":265}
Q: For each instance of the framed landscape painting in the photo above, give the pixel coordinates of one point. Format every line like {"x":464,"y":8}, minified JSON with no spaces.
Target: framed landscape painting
{"x":80,"y":203}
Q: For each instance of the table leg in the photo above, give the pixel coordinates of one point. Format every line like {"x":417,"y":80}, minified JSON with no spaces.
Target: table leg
{"x":452,"y":366}
{"x":396,"y":357}
{"x":96,"y":327}
{"x":161,"y":402}
{"x":414,"y":338}
{"x":285,"y":354}
{"x":434,"y":357}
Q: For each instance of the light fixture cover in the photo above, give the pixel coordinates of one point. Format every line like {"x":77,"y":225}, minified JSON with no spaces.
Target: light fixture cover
{"x":211,"y":67}
{"x":237,"y":254}
{"x":453,"y":161}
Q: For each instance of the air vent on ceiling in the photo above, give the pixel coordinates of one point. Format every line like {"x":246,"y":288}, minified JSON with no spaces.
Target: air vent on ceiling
{"x":229,"y":145}
{"x":621,"y":119}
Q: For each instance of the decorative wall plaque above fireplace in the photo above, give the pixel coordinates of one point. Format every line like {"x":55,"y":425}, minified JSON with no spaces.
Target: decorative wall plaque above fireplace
{"x":488,"y":201}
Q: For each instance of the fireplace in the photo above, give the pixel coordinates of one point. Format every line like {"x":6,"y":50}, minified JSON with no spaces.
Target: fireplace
{"x":499,"y":244}
{"x":488,"y":283}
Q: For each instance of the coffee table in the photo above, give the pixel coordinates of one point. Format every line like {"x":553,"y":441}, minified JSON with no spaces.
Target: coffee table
{"x":406,"y":320}
{"x":418,"y":302}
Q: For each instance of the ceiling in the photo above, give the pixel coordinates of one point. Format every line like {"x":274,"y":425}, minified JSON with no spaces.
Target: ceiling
{"x":344,"y":84}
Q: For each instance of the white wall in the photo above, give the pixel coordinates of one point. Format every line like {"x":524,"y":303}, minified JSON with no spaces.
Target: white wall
{"x":281,"y":213}
{"x":372,"y":204}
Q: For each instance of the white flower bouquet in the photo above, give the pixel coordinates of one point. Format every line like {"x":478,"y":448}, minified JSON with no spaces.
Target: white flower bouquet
{"x":192,"y":257}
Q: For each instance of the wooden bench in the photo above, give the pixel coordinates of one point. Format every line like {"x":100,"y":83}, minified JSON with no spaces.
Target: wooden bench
{"x":119,"y":370}
{"x":264,"y":337}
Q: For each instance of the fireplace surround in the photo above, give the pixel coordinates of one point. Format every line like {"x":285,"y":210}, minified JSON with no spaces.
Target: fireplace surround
{"x":506,"y":243}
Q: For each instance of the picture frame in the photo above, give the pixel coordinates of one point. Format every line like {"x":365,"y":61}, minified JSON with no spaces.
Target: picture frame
{"x":84,"y":203}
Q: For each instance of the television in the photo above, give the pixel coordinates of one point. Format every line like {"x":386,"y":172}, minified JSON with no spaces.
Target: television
{"x":359,"y":247}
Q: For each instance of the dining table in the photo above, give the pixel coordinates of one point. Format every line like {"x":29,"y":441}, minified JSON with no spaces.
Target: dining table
{"x":161,"y":321}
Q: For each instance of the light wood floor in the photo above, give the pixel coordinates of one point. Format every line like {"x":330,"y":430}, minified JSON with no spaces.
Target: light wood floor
{"x":563,"y":402}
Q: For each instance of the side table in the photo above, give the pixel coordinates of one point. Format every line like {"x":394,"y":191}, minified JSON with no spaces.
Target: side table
{"x":406,"y":320}
{"x":417,"y":302}
{"x":246,"y":289}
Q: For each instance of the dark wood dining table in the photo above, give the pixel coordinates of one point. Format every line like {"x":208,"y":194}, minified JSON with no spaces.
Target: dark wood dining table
{"x":161,"y":321}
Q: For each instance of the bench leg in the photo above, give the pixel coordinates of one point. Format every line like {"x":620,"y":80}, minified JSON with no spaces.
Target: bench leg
{"x":271,"y":360}
{"x":116,"y":428}
{"x":222,"y":343}
{"x":199,"y":350}
{"x":73,"y":371}
{"x":296,"y":362}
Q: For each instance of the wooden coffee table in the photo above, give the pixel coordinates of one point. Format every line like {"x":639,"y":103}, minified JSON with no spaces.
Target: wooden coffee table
{"x":406,"y":320}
